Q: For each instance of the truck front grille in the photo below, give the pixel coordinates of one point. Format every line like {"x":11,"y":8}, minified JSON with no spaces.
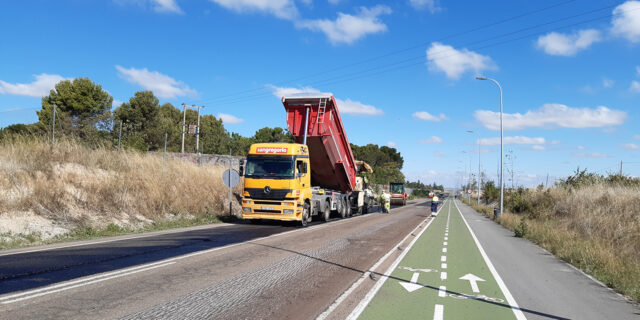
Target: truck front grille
{"x":274,"y":194}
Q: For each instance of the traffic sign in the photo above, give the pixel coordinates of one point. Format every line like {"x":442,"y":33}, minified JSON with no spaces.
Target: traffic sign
{"x":230,"y":178}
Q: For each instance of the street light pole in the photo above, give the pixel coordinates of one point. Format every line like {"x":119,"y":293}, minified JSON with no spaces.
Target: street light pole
{"x":501,"y":147}
{"x":471,"y":131}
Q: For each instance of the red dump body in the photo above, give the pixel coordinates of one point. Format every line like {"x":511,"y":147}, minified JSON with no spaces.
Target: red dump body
{"x":331,"y":159}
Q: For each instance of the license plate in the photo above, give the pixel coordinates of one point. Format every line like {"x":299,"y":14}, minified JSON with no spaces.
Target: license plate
{"x":266,"y":208}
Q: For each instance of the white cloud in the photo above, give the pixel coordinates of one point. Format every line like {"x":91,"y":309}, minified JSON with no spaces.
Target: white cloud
{"x":162,"y":85}
{"x":345,"y":106}
{"x":432,"y":140}
{"x":631,"y":146}
{"x":559,"y":44}
{"x":512,"y":140}
{"x":348,"y":28}
{"x":166,"y":6}
{"x":116,"y":103}
{"x":455,"y":62}
{"x":635,"y":87}
{"x":607,"y":83}
{"x":283,"y":9}
{"x":430,"y":5}
{"x":594,"y":155}
{"x":626,"y":21}
{"x":229,"y":119}
{"x":580,"y":148}
{"x":39,"y":88}
{"x":423,"y":115}
{"x":538,"y":148}
{"x":439,"y":154}
{"x":391,"y":144}
{"x":553,"y":115}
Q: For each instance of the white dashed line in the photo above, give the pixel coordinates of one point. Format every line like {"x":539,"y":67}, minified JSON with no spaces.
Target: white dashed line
{"x":438,"y":313}
{"x":443,"y":266}
{"x":443,"y":275}
{"x":444,"y":249}
{"x":442,"y":292}
{"x":443,"y":258}
{"x":446,"y":238}
{"x":444,"y":243}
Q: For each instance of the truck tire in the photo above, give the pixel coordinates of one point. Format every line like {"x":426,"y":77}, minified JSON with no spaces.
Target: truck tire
{"x":305,"y":216}
{"x":349,"y":210}
{"x":343,"y":209}
{"x":326,"y":214}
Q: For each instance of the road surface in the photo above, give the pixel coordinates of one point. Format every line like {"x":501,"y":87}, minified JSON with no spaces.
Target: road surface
{"x":330,"y":270}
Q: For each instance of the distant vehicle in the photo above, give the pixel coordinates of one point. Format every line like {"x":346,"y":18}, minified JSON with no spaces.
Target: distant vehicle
{"x":315,"y":176}
{"x":398,"y":194}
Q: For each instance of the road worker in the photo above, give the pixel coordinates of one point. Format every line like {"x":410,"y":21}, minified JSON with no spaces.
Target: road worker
{"x":385,"y":202}
{"x":434,"y":205}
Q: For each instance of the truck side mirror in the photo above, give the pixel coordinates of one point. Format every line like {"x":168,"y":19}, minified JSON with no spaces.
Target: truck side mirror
{"x":241,"y":168}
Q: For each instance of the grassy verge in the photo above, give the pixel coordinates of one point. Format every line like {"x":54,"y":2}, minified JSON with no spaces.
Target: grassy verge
{"x":603,"y":250}
{"x":74,"y":192}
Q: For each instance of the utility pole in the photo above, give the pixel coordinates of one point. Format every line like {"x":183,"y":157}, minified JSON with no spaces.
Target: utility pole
{"x":184,"y":120}
{"x":546,"y":185}
{"x":53,"y":126}
{"x":621,"y":168}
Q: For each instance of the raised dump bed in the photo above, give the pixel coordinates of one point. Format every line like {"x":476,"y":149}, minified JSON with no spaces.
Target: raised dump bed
{"x":315,"y":121}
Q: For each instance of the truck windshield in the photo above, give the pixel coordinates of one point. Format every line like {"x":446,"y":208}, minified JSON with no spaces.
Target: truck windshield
{"x":396,"y":188}
{"x":269,"y":168}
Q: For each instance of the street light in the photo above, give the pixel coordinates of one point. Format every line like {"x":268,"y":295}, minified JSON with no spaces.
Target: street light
{"x":471,"y":131}
{"x":501,"y":147}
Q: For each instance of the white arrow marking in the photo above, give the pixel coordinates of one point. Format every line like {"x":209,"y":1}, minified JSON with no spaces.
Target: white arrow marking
{"x":473,"y":281}
{"x":411,"y":286}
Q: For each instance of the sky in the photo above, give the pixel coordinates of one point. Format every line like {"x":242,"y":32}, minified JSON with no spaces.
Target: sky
{"x":403,"y":72}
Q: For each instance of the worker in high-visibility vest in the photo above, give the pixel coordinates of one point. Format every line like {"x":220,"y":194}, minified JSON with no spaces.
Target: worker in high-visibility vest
{"x":385,"y":202}
{"x":434,"y":205}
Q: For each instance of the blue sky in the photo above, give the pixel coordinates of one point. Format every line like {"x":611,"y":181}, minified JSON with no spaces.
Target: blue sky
{"x":403,"y":71}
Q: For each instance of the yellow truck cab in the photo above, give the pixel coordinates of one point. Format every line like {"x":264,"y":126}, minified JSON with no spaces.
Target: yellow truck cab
{"x":277,"y":183}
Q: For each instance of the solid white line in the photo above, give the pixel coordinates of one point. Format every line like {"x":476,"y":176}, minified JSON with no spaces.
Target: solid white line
{"x":443,"y":275}
{"x":365,"y":301}
{"x":444,"y":249}
{"x":86,"y":283}
{"x":442,"y":292}
{"x":365,"y":275}
{"x":438,"y":313}
{"x":443,"y":258}
{"x":512,"y":302}
{"x":443,"y":266}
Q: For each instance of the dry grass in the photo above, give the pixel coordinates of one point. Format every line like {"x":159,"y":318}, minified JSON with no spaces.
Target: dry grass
{"x":596,"y":228}
{"x":52,"y":192}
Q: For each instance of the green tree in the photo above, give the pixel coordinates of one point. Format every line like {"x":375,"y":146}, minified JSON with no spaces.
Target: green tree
{"x":386,"y":162}
{"x":276,"y":134}
{"x":82,"y":106}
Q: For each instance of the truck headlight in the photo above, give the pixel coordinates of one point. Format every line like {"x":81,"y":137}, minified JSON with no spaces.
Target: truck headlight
{"x":246,"y":209}
{"x":287,"y":211}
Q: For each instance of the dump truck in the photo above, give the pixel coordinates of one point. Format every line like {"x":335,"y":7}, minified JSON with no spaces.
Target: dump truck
{"x":398,"y":194}
{"x":315,"y":176}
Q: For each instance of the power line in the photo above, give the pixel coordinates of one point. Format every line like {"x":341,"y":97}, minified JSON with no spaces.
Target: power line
{"x":447,"y":37}
{"x":391,"y":67}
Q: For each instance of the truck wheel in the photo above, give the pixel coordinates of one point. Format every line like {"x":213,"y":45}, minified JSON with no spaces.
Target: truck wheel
{"x":327,"y":212}
{"x":305,"y":216}
{"x":343,"y":210}
{"x":349,"y":211}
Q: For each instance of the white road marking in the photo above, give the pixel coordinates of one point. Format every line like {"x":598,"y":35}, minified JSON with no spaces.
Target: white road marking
{"x":365,"y":275}
{"x":443,"y":258}
{"x":512,"y":302}
{"x":86,"y":283}
{"x":443,"y":275}
{"x":442,"y":292}
{"x":417,"y":269}
{"x":444,"y":249}
{"x":411,"y":286}
{"x":473,"y":281}
{"x":438,"y":313}
{"x":446,"y":238}
{"x":444,"y":243}
{"x":357,"y":311}
{"x":443,"y":266}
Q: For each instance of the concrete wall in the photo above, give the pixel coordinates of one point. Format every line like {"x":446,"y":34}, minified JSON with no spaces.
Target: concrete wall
{"x":208,"y":159}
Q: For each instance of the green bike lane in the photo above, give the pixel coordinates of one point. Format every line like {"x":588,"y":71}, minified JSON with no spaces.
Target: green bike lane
{"x":444,"y":275}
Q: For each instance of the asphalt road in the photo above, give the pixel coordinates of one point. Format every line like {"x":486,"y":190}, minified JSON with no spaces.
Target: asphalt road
{"x":325,"y":271}
{"x":227,"y":271}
